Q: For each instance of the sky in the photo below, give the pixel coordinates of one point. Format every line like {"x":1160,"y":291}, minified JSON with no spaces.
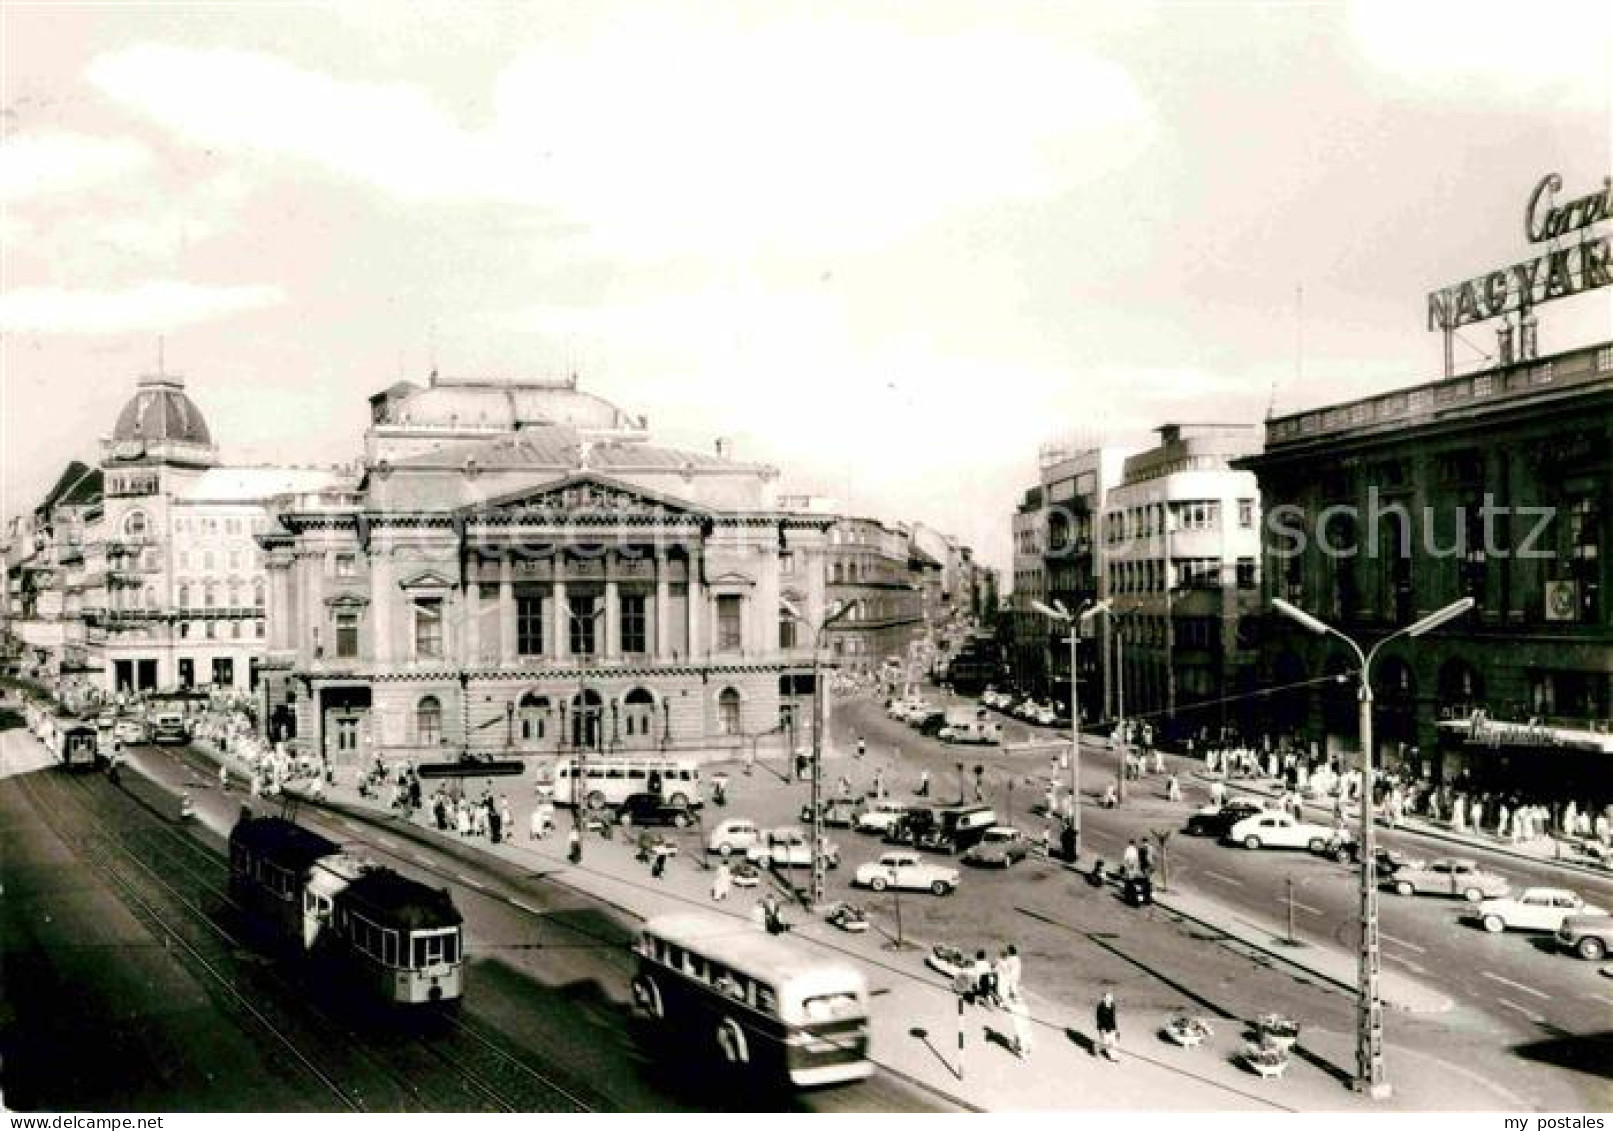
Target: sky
{"x":891,"y":249}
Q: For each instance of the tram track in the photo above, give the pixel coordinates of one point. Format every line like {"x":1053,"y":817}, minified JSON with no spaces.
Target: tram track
{"x":412,"y":1061}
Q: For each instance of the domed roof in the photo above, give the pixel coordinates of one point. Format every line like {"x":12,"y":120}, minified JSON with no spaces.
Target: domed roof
{"x":160,"y":412}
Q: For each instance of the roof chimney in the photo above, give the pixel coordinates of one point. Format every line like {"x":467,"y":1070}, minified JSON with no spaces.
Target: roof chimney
{"x":722,"y":447}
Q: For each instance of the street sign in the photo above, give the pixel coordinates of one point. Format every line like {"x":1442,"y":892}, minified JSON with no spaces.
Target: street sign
{"x":472,"y":768}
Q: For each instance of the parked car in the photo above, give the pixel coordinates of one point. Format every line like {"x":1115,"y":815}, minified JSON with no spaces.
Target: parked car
{"x":1041,"y":714}
{"x":1589,"y":936}
{"x":838,"y":812}
{"x":790,"y":847}
{"x":907,"y":871}
{"x":1000,"y":845}
{"x":1217,"y":822}
{"x":737,"y":834}
{"x":1276,"y":829}
{"x":653,"y":809}
{"x":1534,"y":909}
{"x":1461,"y":878}
{"x":932,"y":725}
{"x":879,"y":816}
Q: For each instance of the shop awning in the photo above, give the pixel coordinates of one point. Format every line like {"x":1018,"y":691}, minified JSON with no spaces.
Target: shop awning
{"x":1494,"y":734}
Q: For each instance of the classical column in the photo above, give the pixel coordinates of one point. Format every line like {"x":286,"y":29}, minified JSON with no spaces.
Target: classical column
{"x":560,"y":622}
{"x":613,"y":614}
{"x":506,"y":611}
{"x":663,"y":606}
{"x":695,"y":608}
{"x":472,"y":634}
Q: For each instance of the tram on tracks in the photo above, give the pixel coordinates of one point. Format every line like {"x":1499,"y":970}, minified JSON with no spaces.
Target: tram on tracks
{"x":390,"y":938}
{"x":76,"y":744}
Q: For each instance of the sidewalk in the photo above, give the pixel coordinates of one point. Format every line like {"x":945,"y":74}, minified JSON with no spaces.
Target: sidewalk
{"x":915,"y":1019}
{"x":1547,"y":851}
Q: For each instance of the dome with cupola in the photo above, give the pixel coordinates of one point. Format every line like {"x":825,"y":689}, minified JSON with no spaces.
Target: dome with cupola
{"x":159,"y":416}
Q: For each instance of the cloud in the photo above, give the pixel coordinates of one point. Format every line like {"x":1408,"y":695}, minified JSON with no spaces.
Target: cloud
{"x":50,"y":164}
{"x":154,"y":305}
{"x":665,"y":134}
{"x":1488,"y":50}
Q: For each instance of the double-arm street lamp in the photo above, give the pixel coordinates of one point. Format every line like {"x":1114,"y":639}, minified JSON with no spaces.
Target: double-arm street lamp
{"x":817,"y":737}
{"x":1058,"y":613}
{"x":1369,"y":1068}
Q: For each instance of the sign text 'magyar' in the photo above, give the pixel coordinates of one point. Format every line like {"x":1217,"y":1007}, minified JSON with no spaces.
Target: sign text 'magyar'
{"x":1584,"y":266}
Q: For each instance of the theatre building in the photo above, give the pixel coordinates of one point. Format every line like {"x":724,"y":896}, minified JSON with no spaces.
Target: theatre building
{"x":1496,"y":486}
{"x":521,"y":572}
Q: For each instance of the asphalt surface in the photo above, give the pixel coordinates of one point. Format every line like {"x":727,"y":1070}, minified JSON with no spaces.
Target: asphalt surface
{"x":1520,"y":1003}
{"x":548,"y":977}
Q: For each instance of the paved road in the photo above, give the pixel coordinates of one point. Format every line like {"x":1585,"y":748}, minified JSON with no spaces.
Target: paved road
{"x":549,"y":975}
{"x":1517,"y":993}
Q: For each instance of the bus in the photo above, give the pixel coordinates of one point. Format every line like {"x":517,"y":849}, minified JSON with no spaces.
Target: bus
{"x":609,"y":780}
{"x":169,"y":726}
{"x":757,"y":1001}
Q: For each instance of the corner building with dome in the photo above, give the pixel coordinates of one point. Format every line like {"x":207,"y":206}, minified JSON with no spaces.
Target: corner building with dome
{"x":520,"y":571}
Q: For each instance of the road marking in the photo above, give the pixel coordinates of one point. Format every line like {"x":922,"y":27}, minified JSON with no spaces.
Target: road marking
{"x":1387,"y":937}
{"x":1223,"y":879}
{"x":464,"y":879}
{"x":1514,"y":985}
{"x":1407,"y":963}
{"x":1304,"y":907}
{"x":1529,"y":1013}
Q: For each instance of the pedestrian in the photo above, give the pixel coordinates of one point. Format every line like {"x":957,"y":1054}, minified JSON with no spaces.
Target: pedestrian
{"x":1131,"y":861}
{"x":1218,"y":794}
{"x":1009,"y":972}
{"x":1145,"y":858}
{"x":574,"y":845}
{"x":1019,"y":1018}
{"x":1108,"y":1027}
{"x":984,"y":976}
{"x":1159,"y":761}
{"x":1173,"y":789}
{"x":924,"y":784}
{"x":879,"y":783}
{"x":223,"y":777}
{"x":658,"y":856}
{"x":503,"y":812}
{"x":862,"y":746}
{"x":542,"y":820}
{"x":721,"y":882}
{"x":1047,"y":840}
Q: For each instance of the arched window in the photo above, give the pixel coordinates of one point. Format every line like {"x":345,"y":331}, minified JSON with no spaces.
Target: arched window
{"x":534,"y":713}
{"x":728,"y":711}
{"x":428,"y":721}
{"x":135,"y":524}
{"x":638,"y":710}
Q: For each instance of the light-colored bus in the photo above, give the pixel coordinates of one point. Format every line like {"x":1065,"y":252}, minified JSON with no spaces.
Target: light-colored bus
{"x":760,"y":1001}
{"x":170,"y":727}
{"x":610,"y":779}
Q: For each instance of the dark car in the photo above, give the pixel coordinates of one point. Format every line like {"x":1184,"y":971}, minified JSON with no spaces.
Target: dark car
{"x":653,"y":809}
{"x":931,"y":724}
{"x":1219,"y":823}
{"x":838,"y":812}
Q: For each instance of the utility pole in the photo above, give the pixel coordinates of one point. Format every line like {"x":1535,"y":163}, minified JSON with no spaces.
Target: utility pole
{"x":818,"y":717}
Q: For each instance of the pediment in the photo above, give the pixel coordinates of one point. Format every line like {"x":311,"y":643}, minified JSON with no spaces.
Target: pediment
{"x":732,"y":578}
{"x":588,"y":496}
{"x":425,"y":579}
{"x":350,"y":600}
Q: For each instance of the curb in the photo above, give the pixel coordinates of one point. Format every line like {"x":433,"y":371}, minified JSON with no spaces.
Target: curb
{"x":1436,"y":834}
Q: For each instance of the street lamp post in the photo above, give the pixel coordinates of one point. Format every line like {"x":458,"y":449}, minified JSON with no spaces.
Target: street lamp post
{"x":580,"y":724}
{"x":817,"y":740}
{"x":1370,"y":1076}
{"x":1074,"y":620}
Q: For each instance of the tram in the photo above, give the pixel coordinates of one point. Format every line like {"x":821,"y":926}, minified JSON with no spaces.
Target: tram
{"x":76,"y":744}
{"x":392,"y":939}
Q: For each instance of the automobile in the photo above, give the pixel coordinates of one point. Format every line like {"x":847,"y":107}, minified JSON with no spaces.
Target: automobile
{"x":942,"y":828}
{"x":905,"y":710}
{"x":1345,"y":847}
{"x":837,"y":812}
{"x":736,"y":834}
{"x":653,"y":809}
{"x":131,"y":732}
{"x":933,"y":725}
{"x":1462,"y":878}
{"x":1217,"y":821}
{"x":1276,"y":829}
{"x":1040,"y":714}
{"x":1589,"y":936}
{"x":790,"y":847}
{"x":848,"y":917}
{"x":1001,"y":845}
{"x":907,"y":871}
{"x":992,"y":698}
{"x":1533,"y":909}
{"x":879,"y":816}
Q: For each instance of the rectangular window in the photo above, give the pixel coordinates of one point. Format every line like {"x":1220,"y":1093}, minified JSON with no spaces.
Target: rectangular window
{"x":428,"y":628}
{"x":1246,"y":513}
{"x":223,"y":672}
{"x":346,"y":635}
{"x":529,"y":622}
{"x":786,"y":563}
{"x":635,"y":637}
{"x":346,"y":565}
{"x":584,"y":638}
{"x":1246,"y":573}
{"x":728,"y":633}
